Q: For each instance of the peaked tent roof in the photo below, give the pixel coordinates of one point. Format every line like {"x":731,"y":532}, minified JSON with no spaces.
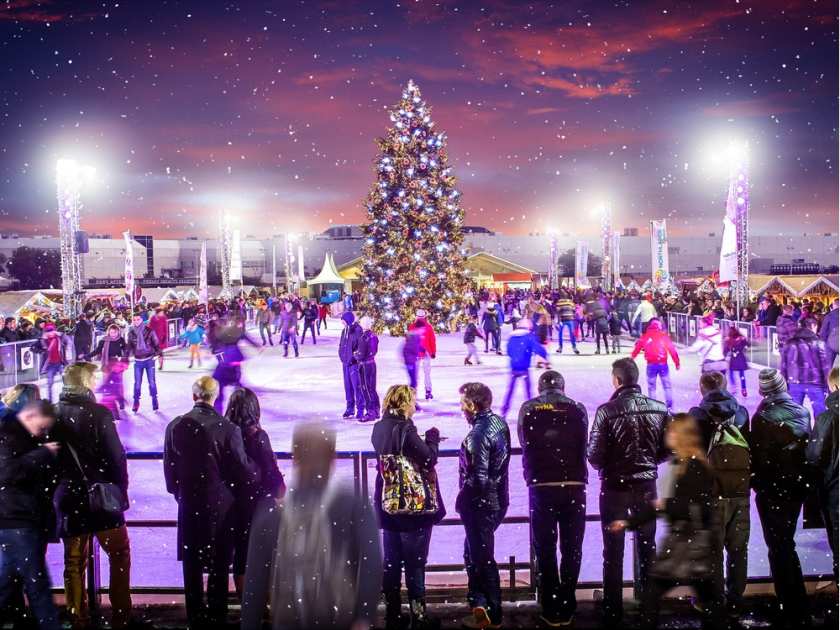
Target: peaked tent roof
{"x":328,"y":274}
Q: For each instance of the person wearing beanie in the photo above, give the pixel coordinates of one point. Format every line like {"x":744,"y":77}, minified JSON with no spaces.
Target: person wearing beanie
{"x":365,"y":355}
{"x":778,"y":437}
{"x":347,"y":346}
{"x":552,"y":432}
{"x":657,"y":346}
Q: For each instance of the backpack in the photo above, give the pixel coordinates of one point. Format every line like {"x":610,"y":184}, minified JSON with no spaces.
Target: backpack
{"x":729,"y":457}
{"x":312,"y":584}
{"x":405,"y":488}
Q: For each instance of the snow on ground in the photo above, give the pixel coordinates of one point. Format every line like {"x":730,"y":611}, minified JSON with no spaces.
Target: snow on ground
{"x":310,"y":388}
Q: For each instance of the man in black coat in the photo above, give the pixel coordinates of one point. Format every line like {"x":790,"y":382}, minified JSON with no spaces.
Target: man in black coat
{"x":28,"y":475}
{"x":552,"y":432}
{"x":626,"y":445}
{"x":483,"y":500}
{"x":83,"y":337}
{"x":205,"y":465}
{"x":93,"y":453}
{"x":143,"y":343}
{"x":778,"y":438}
{"x":347,"y":345}
{"x":804,"y":364}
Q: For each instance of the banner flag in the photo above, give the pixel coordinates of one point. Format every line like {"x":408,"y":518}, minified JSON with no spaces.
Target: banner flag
{"x":660,"y":276}
{"x":582,"y":264}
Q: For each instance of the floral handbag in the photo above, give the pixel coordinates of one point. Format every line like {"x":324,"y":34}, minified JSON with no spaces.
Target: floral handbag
{"x":406,"y":488}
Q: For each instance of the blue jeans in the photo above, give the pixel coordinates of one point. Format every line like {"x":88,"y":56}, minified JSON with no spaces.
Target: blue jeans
{"x":660,"y":370}
{"x":515,"y":376}
{"x":411,"y":550}
{"x":22,"y":556}
{"x":147,"y":366}
{"x":483,"y":583}
{"x":570,"y":326}
{"x":52,"y":370}
{"x":353,"y":395}
{"x":815,"y":394}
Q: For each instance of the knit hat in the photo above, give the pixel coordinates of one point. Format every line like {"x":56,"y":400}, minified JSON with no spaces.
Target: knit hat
{"x":421,"y":312}
{"x":347,"y":317}
{"x":771,"y":381}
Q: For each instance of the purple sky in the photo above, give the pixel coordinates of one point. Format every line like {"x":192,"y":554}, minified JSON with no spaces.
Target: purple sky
{"x":270,"y":109}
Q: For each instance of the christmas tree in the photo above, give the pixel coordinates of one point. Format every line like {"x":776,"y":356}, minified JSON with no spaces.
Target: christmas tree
{"x":412,"y":256}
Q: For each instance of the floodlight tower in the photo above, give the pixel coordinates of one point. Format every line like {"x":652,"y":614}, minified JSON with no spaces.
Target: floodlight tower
{"x":606,"y":247}
{"x":225,"y":252}
{"x":553,"y":261}
{"x":70,"y":180}
{"x":738,"y":205}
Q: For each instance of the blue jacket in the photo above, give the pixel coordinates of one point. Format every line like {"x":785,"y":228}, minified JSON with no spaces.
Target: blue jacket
{"x":194,"y":336}
{"x":521,"y":346}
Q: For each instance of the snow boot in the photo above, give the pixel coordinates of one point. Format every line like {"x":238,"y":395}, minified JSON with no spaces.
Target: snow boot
{"x":155,"y":405}
{"x":419,"y":619}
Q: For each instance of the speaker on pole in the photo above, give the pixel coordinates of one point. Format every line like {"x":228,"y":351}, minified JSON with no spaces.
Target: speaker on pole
{"x":82,"y":244}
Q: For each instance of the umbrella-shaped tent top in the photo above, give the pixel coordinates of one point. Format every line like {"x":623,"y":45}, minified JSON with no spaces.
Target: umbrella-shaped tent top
{"x":328,"y":274}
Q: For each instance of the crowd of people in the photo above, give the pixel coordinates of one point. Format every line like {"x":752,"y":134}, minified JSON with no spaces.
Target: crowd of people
{"x":309,"y":550}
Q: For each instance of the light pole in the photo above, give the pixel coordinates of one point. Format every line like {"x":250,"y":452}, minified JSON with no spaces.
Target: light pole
{"x":553,"y":272}
{"x":289,"y":259}
{"x":606,"y":246}
{"x":225,"y":242}
{"x":71,"y":178}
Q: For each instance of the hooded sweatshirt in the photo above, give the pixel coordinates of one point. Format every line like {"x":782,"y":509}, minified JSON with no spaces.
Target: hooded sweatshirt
{"x":716,"y":408}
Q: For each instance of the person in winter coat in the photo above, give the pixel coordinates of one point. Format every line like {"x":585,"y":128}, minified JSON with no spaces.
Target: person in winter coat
{"x":735,"y":349}
{"x":29,"y":473}
{"x":778,"y":438}
{"x":428,"y":349}
{"x":82,"y":336}
{"x":16,"y":398}
{"x":411,"y":353}
{"x":566,"y":315}
{"x":206,"y":468}
{"x":483,"y":499}
{"x":804,"y":364}
{"x":687,"y":506}
{"x":323,"y":313}
{"x":470,"y":333}
{"x":405,"y":537}
{"x":626,"y":446}
{"x":288,"y":328}
{"x":644,"y":313}
{"x":264,"y":317}
{"x":54,"y":356}
{"x":786,"y":325}
{"x":490,"y":325}
{"x":709,"y":346}
{"x":552,"y":432}
{"x":718,"y":410}
{"x":522,"y":345}
{"x":657,"y":346}
{"x":822,"y":457}
{"x":830,"y":331}
{"x":314,"y":556}
{"x":347,"y":345}
{"x":92,"y":453}
{"x":159,"y":324}
{"x":193,"y":335}
{"x":144,"y":345}
{"x":365,"y":356}
{"x":243,"y":410}
{"x":615,"y":331}
{"x":310,"y":316}
{"x":600,"y":321}
{"x":112,"y":350}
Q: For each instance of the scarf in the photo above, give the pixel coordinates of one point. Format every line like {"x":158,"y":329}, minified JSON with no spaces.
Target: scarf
{"x":140,"y":331}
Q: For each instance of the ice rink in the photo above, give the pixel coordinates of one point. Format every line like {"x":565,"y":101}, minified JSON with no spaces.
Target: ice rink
{"x":309,"y":388}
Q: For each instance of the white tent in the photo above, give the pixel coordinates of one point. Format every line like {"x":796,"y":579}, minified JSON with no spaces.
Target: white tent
{"x":328,"y":274}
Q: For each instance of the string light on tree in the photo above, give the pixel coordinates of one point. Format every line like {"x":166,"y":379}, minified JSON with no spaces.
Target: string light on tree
{"x":412,"y":256}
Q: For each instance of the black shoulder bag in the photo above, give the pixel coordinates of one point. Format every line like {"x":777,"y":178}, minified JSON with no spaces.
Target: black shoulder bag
{"x":103,"y":497}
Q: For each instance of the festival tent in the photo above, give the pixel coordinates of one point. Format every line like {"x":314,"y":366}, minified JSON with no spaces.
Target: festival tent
{"x":31,"y":304}
{"x":822,"y":288}
{"x":329,"y":274}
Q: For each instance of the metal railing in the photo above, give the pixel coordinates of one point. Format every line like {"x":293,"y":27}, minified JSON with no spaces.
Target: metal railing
{"x":763,"y":341}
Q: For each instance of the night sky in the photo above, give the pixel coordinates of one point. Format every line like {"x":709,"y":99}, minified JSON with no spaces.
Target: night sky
{"x":270,"y":110}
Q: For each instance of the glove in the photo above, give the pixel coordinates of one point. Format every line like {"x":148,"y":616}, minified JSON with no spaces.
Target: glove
{"x":432,"y":435}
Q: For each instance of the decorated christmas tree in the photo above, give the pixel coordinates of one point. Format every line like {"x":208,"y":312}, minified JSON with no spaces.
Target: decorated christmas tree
{"x":413,"y":257}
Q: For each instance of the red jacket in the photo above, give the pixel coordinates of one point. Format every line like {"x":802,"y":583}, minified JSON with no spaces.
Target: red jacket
{"x":657,"y":346}
{"x":428,"y":341}
{"x":160,"y":326}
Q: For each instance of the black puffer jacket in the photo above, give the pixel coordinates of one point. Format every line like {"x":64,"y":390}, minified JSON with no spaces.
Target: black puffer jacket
{"x":89,"y":428}
{"x":348,"y":342}
{"x":627,"y":440}
{"x":552,"y":431}
{"x":483,"y":465}
{"x":779,"y":435}
{"x":804,"y":359}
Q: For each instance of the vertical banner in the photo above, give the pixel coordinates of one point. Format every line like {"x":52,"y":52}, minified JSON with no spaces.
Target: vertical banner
{"x":129,"y":265}
{"x":729,"y":243}
{"x":581,"y":264}
{"x":236,"y":257}
{"x":660,"y":276}
{"x":301,"y":273}
{"x":202,"y":274}
{"x":616,"y":258}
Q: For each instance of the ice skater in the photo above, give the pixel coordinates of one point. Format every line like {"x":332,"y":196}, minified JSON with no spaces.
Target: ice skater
{"x":193,"y":337}
{"x":54,"y":356}
{"x":143,"y":345}
{"x":490,"y":324}
{"x":288,"y":328}
{"x":522,"y":345}
{"x":365,"y":355}
{"x":470,"y":334}
{"x":657,"y":346}
{"x":113,"y":352}
{"x":428,"y":349}
{"x":310,"y":316}
{"x":225,"y":345}
{"x":264,"y":324}
{"x":347,"y":344}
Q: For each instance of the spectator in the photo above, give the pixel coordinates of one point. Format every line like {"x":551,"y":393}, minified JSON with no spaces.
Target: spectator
{"x":482,"y":501}
{"x":552,"y":432}
{"x":28,"y":476}
{"x":626,"y":445}
{"x":657,"y":346}
{"x":723,"y":423}
{"x":688,"y":508}
{"x":206,"y":468}
{"x":243,"y":410}
{"x":315,"y":555}
{"x":10,"y":334}
{"x":15,"y":399}
{"x":522,"y":345}
{"x":406,"y":534}
{"x":93,"y":453}
{"x":778,"y":438}
{"x":804,"y":364}
{"x":830,"y":331}
{"x":822,"y":456}
{"x":145,"y":346}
